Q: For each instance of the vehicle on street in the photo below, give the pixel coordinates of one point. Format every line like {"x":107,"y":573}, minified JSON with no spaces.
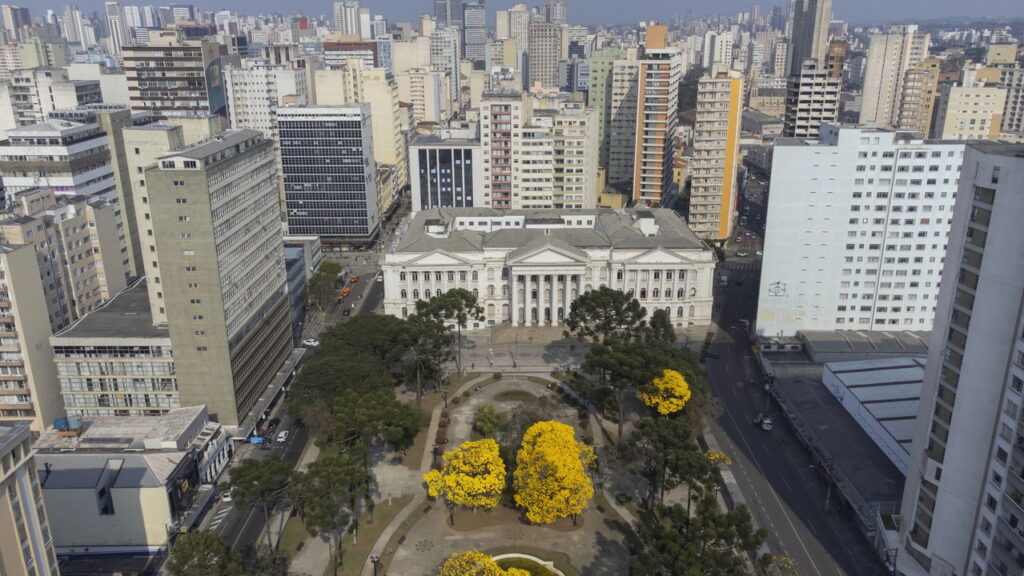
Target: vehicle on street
{"x":354,"y":279}
{"x":311,"y":342}
{"x":723,"y":281}
{"x":346,"y":312}
{"x":380,"y":277}
{"x":760,"y":253}
{"x":282,"y":436}
{"x":226,"y":496}
{"x":743,"y":254}
{"x":273,"y":423}
{"x":764,"y":421}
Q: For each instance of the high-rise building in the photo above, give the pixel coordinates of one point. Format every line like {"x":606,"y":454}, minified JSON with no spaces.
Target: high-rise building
{"x":713,"y":185}
{"x":14,"y":19}
{"x":856,"y":231}
{"x":812,"y":98}
{"x":26,"y":546}
{"x":35,"y":93}
{"x":519,"y":25}
{"x":556,"y":12}
{"x":172,"y":77}
{"x":501,"y":25}
{"x":445,"y":172}
{"x":474,"y":31}
{"x":890,"y":56}
{"x":809,"y":36}
{"x":258,"y":87}
{"x":346,"y":18}
{"x":71,"y":158}
{"x":428,"y":92}
{"x":219,"y":266}
{"x":962,"y":502}
{"x":599,"y":96}
{"x":917,"y":100}
{"x":621,"y":120}
{"x":448,"y":13}
{"x":117,"y":27}
{"x":1012,"y":80}
{"x":544,"y":50}
{"x":444,"y":56}
{"x":836,"y":57}
{"x":335,"y":200}
{"x":369,"y":54}
{"x":969,"y":113}
{"x":659,"y":75}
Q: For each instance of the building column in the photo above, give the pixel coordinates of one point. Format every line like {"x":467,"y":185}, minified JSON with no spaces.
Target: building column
{"x":565,"y":294}
{"x":579,"y":285}
{"x":553,"y":299}
{"x":526,"y":300}
{"x":541,"y":300}
{"x":514,"y":314}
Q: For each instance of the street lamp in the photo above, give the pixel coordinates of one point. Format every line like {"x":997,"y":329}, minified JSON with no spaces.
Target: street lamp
{"x":375,"y":560}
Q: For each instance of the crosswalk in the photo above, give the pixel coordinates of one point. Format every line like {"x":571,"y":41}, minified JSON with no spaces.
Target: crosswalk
{"x":218,"y":518}
{"x":741,"y":265}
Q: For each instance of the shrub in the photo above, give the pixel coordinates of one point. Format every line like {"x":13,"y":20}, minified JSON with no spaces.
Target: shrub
{"x":465,"y":394}
{"x":442,"y":436}
{"x":444,"y":414}
{"x":456,"y":400}
{"x":497,"y":376}
{"x":442,"y":424}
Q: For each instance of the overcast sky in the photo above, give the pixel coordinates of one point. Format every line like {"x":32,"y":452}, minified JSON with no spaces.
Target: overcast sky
{"x":602,"y":11}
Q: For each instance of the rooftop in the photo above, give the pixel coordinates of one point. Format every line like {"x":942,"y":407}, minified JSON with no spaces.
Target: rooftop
{"x":432,"y":140}
{"x":134,"y":433}
{"x":999,"y":148}
{"x":830,"y":346}
{"x":126,"y":315}
{"x":619,"y":229}
{"x":226,"y":140}
{"x":10,"y":433}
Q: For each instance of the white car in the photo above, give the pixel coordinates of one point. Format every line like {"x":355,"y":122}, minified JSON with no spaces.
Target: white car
{"x":226,"y":497}
{"x":380,"y":278}
{"x":311,"y":342}
{"x":282,"y":436}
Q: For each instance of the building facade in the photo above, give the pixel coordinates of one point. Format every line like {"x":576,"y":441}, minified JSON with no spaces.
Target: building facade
{"x":716,"y":147}
{"x":812,"y":98}
{"x":330,"y":190}
{"x":856,"y":231}
{"x":176,"y":77}
{"x":962,"y":503}
{"x":890,"y":56}
{"x":26,"y":541}
{"x":32,"y":94}
{"x":220,"y":265}
{"x":544,"y":50}
{"x":969,"y":113}
{"x":527,"y":267}
{"x":445,"y":172}
{"x":657,"y":114}
{"x":70,"y":158}
{"x":257,"y":88}
{"x":917,"y":99}
{"x":809,"y":35}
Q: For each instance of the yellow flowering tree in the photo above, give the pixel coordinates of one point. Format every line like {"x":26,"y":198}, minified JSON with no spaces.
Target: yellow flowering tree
{"x":668,"y":393}
{"x":718,"y":457}
{"x":474,"y":563}
{"x":551,"y":479}
{"x":473,"y":475}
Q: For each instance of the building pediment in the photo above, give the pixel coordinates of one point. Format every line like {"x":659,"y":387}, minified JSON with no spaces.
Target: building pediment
{"x":437,"y":258}
{"x":547,"y":251}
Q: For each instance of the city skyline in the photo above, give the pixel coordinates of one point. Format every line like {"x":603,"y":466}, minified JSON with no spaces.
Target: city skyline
{"x":607,"y":11}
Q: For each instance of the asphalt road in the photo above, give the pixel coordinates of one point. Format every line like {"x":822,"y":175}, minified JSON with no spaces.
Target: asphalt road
{"x":240,"y":527}
{"x":784,"y":491}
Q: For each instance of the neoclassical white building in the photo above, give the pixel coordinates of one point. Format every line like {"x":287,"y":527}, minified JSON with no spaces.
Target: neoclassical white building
{"x":527,"y":266}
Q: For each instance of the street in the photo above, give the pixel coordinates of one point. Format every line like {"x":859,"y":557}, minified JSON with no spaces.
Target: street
{"x":786,"y":494}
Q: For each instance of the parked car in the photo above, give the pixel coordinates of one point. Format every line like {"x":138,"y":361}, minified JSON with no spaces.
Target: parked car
{"x":273,"y":423}
{"x":354,"y":279}
{"x":380,"y":277}
{"x":226,"y":496}
{"x":282,"y":436}
{"x":311,"y":342}
{"x":346,"y":312}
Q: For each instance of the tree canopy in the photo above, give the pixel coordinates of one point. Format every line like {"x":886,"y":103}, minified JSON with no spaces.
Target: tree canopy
{"x":598,"y":314}
{"x":550,"y":479}
{"x":668,"y":393}
{"x":473,"y":475}
{"x":261,"y":482}
{"x":327,"y":496}
{"x":201,"y":553}
{"x":474,"y":563}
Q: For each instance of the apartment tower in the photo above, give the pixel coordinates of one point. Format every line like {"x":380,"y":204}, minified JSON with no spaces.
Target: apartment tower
{"x":716,"y":146}
{"x":890,"y":56}
{"x":657,"y":114}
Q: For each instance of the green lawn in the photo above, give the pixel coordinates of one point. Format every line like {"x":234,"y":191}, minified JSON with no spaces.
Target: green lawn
{"x":354,"y":556}
{"x":294,"y":534}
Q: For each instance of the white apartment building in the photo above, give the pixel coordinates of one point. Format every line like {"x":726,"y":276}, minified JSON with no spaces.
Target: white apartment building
{"x":444,"y":56}
{"x":428,"y":92}
{"x":890,"y":55}
{"x":527,"y":267}
{"x":257,"y":88}
{"x":538,"y":153}
{"x":963,"y":503}
{"x":856,"y":231}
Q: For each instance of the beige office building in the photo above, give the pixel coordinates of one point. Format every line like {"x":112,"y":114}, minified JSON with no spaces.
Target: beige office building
{"x":219,"y":266}
{"x":429,"y":93}
{"x":657,"y":115}
{"x":890,"y":56}
{"x":974,"y":113}
{"x":544,"y":50}
{"x":26,"y":544}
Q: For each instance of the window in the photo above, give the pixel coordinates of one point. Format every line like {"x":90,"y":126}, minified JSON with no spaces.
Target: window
{"x":180,"y":218}
{"x":197,"y":317}
{"x":201,"y":348}
{"x":190,"y":268}
{"x":179,"y":183}
{"x":195,"y":301}
{"x":181,"y":200}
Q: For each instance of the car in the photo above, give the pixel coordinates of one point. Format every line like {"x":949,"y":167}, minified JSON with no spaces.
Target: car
{"x":282,"y":436}
{"x":353,"y":279}
{"x":273,"y":423}
{"x":311,"y":342}
{"x":742,"y":254}
{"x":760,"y":253}
{"x":226,"y":496}
{"x":346,"y":312}
{"x":380,"y":277}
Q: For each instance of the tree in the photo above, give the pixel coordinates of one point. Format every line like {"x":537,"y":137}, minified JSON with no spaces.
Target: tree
{"x":487,"y":420}
{"x":668,"y":393}
{"x":668,"y":456}
{"x":708,"y":542}
{"x":598,"y":314}
{"x":473,"y":475}
{"x":429,"y":348}
{"x":260,"y":482}
{"x":661,"y":326}
{"x":458,"y":306}
{"x":201,"y":553}
{"x":321,"y":285}
{"x":327,"y":495}
{"x":550,"y":479}
{"x":474,"y":563}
